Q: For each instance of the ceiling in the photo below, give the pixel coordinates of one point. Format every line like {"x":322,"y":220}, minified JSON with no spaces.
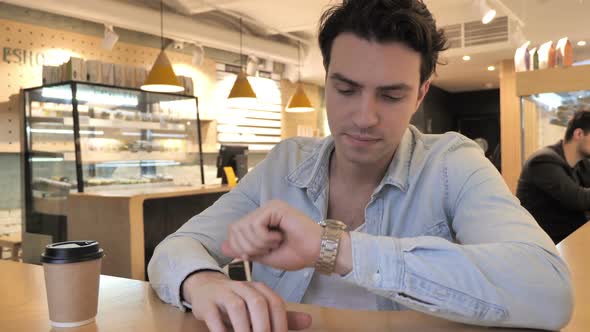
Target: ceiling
{"x":288,"y":21}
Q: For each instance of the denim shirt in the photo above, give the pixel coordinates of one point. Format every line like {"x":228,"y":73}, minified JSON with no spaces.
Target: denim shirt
{"x":444,"y":235}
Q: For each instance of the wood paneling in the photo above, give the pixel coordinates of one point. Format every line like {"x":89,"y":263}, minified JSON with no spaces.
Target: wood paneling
{"x":531,"y":128}
{"x":553,"y":80}
{"x":120,"y":222}
{"x":510,"y":125}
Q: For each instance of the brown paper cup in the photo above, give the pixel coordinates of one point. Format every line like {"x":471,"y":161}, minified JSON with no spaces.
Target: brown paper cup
{"x":72,"y":292}
{"x":72,"y":277}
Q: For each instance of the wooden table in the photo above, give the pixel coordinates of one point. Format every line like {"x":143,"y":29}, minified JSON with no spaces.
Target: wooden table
{"x":575,"y":249}
{"x":128,"y":224}
{"x":131,"y":305}
{"x":127,"y":305}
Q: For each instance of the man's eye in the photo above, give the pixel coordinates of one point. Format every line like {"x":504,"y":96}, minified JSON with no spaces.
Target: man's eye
{"x":391,"y":98}
{"x":345,"y":92}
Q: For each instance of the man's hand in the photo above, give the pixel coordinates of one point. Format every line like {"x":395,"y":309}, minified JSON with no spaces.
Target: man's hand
{"x":276,"y":235}
{"x":244,"y":306}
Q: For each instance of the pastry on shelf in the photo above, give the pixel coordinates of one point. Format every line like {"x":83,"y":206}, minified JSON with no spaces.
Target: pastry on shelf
{"x":60,"y":183}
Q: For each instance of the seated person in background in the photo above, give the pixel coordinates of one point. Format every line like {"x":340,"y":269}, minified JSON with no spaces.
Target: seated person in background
{"x":430,"y":224}
{"x":550,"y":188}
{"x":582,"y":172}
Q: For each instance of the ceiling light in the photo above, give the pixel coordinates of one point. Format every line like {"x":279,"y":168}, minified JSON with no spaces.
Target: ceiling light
{"x":491,"y":68}
{"x":489,"y":16}
{"x":198,"y":55}
{"x":242,"y":89}
{"x":162,"y":77}
{"x":299,"y":102}
{"x":466,"y":58}
{"x":582,"y":43}
{"x":487,"y":12}
{"x":251,"y":65}
{"x":489,"y":85}
{"x":110,"y":37}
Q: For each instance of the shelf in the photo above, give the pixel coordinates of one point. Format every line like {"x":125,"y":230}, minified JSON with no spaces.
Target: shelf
{"x":119,"y":124}
{"x":48,"y":153}
{"x":122,"y":156}
{"x":130,"y":186}
{"x":124,"y":124}
{"x":46,"y":119}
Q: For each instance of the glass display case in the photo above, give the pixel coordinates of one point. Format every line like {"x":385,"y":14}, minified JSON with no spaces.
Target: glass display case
{"x":87,"y":137}
{"x":544,"y":117}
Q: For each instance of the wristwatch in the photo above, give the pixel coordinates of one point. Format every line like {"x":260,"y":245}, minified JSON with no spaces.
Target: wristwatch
{"x":331,"y":233}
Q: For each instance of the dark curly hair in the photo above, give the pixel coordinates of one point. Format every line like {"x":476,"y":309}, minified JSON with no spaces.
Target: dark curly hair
{"x":581,"y":120}
{"x":406,"y":21}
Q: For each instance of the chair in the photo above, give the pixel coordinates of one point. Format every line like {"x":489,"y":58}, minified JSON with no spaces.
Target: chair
{"x":12,"y":241}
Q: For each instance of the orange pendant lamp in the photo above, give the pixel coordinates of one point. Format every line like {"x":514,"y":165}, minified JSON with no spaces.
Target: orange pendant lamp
{"x":242,"y":90}
{"x":162,"y":77}
{"x":299,"y":102}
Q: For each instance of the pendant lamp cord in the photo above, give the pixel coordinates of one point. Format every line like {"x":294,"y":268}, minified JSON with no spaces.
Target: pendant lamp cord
{"x":241,"y":53}
{"x":299,"y":60}
{"x":162,"y":24}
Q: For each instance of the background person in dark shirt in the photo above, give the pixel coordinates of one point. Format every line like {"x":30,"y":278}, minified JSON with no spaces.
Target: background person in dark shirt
{"x":550,"y":187}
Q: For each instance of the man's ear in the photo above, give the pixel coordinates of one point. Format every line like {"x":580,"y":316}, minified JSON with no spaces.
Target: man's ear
{"x":422,"y":92}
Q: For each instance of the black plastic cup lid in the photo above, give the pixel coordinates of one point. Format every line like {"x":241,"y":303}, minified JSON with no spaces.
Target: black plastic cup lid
{"x":71,"y":252}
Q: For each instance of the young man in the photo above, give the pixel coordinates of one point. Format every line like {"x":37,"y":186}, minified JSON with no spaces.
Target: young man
{"x":430,"y":224}
{"x":551,"y":185}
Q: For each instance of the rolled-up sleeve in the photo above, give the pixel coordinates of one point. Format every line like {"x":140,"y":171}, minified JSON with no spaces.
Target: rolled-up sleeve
{"x":197,"y":244}
{"x":502,"y":271}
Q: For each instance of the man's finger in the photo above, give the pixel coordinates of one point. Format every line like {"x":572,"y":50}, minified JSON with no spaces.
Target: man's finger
{"x":257,"y":241}
{"x":298,"y":320}
{"x":236,"y":309}
{"x":267,"y":237}
{"x":212,"y":318}
{"x":257,"y":306}
{"x":278,"y":312}
{"x":227,"y":250}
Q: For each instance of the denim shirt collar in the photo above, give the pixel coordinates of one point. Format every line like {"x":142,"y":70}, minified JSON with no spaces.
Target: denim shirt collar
{"x":312,"y":173}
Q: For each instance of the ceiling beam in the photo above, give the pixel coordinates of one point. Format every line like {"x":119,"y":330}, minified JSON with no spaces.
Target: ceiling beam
{"x":300,"y":27}
{"x":177,"y":27}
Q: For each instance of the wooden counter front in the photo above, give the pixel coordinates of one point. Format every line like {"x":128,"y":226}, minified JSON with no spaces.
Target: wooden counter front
{"x":117,"y":220}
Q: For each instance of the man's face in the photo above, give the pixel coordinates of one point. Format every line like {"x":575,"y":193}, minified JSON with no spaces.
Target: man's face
{"x":372,"y":91}
{"x":583,"y":143}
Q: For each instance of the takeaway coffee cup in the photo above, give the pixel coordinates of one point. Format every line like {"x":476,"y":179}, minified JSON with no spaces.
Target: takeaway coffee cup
{"x":72,"y":274}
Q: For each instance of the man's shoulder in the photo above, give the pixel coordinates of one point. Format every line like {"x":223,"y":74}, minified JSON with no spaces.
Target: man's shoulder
{"x":450,"y":153}
{"x":439,"y":145}
{"x":545,"y":155}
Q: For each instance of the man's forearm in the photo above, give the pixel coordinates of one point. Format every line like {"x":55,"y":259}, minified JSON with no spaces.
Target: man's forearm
{"x":344,"y":258}
{"x":198,"y":278}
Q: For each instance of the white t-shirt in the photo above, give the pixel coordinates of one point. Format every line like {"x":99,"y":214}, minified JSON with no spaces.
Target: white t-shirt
{"x":332,"y":291}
